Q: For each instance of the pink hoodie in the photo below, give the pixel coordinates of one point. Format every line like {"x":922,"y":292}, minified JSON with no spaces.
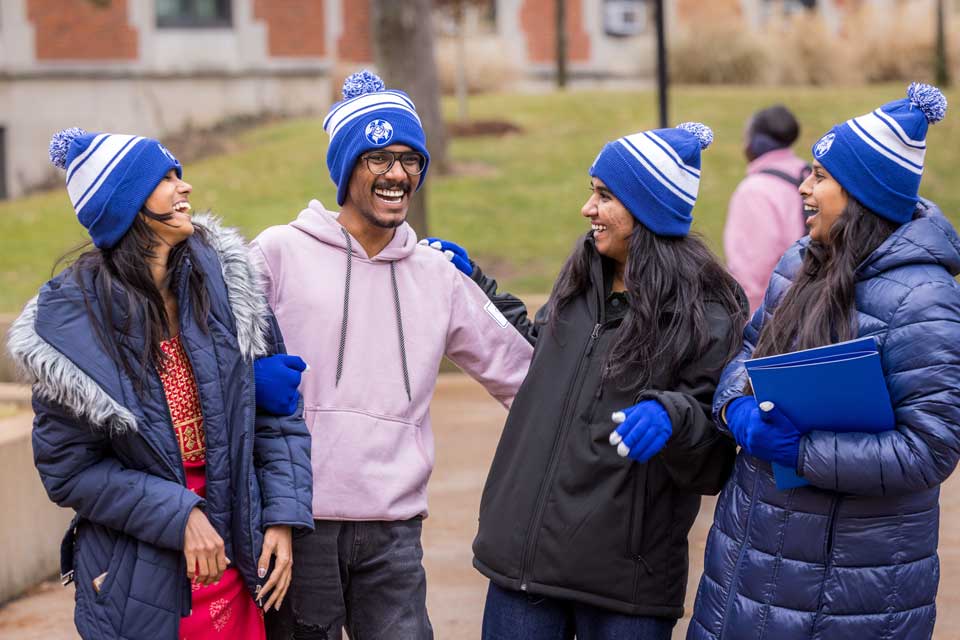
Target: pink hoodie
{"x":764,"y":219}
{"x":372,"y":450}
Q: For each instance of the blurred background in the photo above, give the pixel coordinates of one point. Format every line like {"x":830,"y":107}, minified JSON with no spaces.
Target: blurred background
{"x":517,"y":96}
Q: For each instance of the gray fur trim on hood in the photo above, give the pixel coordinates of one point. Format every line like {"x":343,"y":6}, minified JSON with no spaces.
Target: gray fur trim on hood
{"x":244,"y":289}
{"x":56,"y":378}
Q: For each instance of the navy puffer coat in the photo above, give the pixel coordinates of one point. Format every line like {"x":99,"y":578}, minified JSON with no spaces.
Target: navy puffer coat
{"x":854,"y":556}
{"x":113,"y":457}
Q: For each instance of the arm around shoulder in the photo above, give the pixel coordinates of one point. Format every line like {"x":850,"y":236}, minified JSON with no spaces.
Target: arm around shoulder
{"x":282,"y":458}
{"x":482,"y":342}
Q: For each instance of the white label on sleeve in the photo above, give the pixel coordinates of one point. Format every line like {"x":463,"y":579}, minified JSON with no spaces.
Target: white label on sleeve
{"x":495,"y":314}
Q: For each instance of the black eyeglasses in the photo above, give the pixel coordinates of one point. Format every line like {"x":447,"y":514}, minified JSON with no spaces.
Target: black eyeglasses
{"x":380,"y":162}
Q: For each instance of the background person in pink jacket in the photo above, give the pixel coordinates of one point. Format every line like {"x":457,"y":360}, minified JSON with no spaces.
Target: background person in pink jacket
{"x":373,"y":313}
{"x":765,"y":215}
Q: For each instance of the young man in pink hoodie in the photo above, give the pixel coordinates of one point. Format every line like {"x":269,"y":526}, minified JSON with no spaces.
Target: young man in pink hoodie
{"x":765,"y":216}
{"x":373,"y":313}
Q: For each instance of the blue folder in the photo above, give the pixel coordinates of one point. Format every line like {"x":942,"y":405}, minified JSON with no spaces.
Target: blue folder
{"x":839,"y":387}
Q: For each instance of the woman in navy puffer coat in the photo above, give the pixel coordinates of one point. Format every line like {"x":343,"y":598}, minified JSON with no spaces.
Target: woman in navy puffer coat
{"x":853,"y":555}
{"x":104,"y":440}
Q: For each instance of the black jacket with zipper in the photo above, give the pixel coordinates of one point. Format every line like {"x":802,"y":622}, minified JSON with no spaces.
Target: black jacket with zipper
{"x":562,"y":514}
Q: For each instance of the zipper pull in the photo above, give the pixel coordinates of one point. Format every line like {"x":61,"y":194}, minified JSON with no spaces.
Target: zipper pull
{"x":593,"y":337}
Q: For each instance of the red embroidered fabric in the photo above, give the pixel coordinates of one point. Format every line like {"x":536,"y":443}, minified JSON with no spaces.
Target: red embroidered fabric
{"x":223,"y":610}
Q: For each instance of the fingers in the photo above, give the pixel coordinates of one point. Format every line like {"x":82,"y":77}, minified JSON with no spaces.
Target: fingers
{"x":282,"y":587}
{"x":263,"y":564}
{"x":293,"y":362}
{"x":281,"y":567}
{"x":204,"y":570}
{"x":191,"y":565}
{"x":222,"y":563}
{"x":637,"y":426}
{"x":462,"y":264}
{"x":652,"y":449}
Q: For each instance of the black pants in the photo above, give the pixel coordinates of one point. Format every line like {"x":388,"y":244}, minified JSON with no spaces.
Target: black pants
{"x":366,"y":577}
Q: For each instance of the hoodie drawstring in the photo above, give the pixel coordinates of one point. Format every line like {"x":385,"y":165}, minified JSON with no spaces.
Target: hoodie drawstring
{"x":346,"y":308}
{"x":403,"y":347}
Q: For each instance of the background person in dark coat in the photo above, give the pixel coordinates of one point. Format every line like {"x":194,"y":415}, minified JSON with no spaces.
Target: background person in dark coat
{"x":160,"y":294}
{"x":575,"y":539}
{"x":854,"y":555}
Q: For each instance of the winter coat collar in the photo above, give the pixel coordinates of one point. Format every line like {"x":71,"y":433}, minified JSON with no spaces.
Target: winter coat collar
{"x":88,"y":389}
{"x":927,"y":239}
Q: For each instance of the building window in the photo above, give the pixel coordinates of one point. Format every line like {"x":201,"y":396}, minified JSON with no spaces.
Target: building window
{"x":624,"y":18}
{"x":193,"y":13}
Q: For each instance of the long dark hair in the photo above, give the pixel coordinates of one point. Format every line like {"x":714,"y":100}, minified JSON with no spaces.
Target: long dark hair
{"x":669,"y":282}
{"x":125,"y":268}
{"x":819,"y":307}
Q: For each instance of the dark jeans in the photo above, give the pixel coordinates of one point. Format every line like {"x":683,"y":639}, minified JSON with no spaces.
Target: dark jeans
{"x":513,"y":615}
{"x":366,"y":577}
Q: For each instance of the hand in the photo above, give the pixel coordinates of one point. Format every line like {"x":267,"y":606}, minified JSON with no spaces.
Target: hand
{"x":277,"y":541}
{"x":453,"y":252}
{"x":771,"y":436}
{"x":276,"y":379}
{"x":738,"y":415}
{"x":203,"y":548}
{"x":644,"y":429}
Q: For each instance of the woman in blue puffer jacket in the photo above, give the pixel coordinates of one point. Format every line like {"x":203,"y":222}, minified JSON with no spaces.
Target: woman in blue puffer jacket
{"x":143,"y":355}
{"x":854,"y":555}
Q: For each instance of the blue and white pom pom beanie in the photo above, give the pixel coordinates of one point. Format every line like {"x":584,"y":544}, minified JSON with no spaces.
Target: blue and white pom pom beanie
{"x":656,"y":175}
{"x":369,"y":117}
{"x":109,"y":177}
{"x":878,"y":157}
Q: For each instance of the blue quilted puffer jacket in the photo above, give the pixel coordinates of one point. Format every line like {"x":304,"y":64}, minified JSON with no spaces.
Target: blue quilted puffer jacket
{"x":854,"y":556}
{"x":112,"y":456}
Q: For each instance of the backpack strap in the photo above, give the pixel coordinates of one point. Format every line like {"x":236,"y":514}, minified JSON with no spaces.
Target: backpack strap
{"x":794,"y":180}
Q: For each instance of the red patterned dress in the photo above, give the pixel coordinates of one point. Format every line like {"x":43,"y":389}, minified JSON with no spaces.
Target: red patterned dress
{"x":224,"y":610}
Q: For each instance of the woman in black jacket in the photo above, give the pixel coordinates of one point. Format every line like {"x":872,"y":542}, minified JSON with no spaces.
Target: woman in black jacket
{"x":575,"y":539}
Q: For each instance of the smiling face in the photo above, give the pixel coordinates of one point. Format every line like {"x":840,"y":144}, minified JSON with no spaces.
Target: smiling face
{"x":381,"y":200}
{"x":611,"y":222}
{"x":824,"y":201}
{"x":171,"y":196}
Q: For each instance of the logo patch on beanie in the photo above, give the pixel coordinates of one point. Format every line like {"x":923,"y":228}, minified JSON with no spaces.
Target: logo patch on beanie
{"x":166,"y":152}
{"x":824,"y":145}
{"x":379,"y":131}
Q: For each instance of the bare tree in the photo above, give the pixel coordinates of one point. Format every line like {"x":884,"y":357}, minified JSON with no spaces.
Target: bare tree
{"x":403,"y":50}
{"x":941,"y":65}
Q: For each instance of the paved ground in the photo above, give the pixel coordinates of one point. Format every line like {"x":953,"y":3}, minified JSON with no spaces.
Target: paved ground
{"x":468,"y":423}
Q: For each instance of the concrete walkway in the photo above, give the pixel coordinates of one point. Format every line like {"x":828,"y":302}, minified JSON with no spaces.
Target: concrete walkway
{"x":467,"y":424}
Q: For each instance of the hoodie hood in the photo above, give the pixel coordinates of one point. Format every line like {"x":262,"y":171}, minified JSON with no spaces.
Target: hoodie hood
{"x":928,"y":238}
{"x":322,"y":224}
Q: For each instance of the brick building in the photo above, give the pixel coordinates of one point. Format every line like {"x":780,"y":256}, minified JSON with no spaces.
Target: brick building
{"x":158,"y":66}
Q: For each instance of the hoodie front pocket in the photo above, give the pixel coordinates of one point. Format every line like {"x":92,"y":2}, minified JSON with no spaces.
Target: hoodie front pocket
{"x":368,"y":466}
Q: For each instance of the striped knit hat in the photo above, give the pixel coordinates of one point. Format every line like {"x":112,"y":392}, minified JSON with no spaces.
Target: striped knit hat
{"x":656,"y":175}
{"x":109,"y":177}
{"x":878,"y":157}
{"x":369,"y":117}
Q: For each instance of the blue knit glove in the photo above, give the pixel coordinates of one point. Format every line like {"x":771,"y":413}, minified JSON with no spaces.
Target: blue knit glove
{"x":644,"y":429}
{"x":738,"y":415}
{"x":453,"y":252}
{"x":276,"y":379}
{"x":771,"y":436}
